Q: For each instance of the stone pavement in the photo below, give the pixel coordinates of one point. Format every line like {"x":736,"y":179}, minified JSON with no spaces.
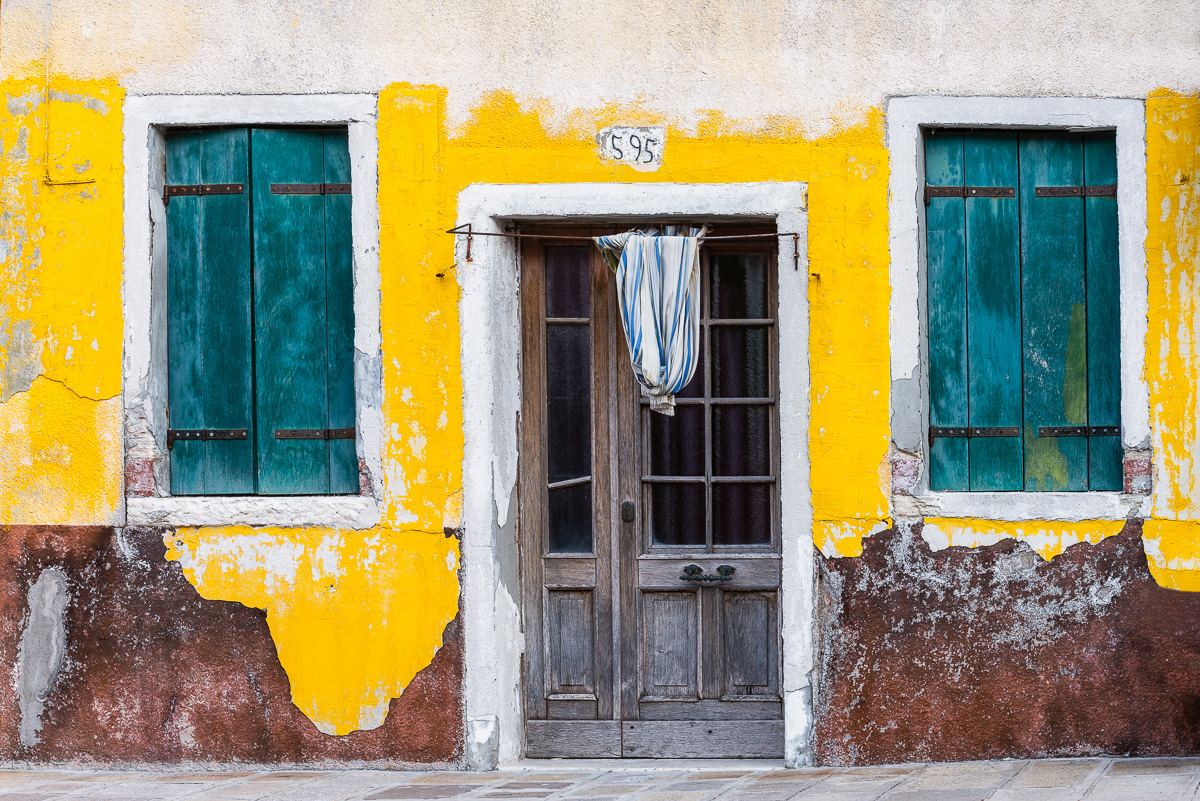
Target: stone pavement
{"x":1008,"y":780}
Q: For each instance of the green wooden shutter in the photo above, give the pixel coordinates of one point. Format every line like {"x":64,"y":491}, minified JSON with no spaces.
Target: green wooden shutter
{"x":339,"y":303}
{"x":993,"y":312}
{"x":303,"y":313}
{"x":1105,"y":453}
{"x":1023,"y":301}
{"x":946,"y":289}
{"x":1055,"y":314}
{"x":208,"y":314}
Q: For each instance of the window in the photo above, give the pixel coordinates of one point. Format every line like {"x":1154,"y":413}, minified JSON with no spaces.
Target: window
{"x":1023,"y":305}
{"x":260,"y":312}
{"x":713,"y":466}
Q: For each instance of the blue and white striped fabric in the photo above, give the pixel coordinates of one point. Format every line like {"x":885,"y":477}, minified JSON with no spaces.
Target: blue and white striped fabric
{"x":658,"y":294}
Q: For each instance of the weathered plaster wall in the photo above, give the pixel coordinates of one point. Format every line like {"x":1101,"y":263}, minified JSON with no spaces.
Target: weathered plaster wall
{"x":153,"y":672}
{"x":356,"y":623}
{"x":974,"y":653}
{"x":801,"y":59}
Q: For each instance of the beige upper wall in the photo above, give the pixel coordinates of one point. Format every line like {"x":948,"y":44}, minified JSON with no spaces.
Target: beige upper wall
{"x":816,"y":60}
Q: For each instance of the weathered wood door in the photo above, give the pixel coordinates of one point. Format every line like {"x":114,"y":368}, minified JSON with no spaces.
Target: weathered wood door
{"x":650,"y":544}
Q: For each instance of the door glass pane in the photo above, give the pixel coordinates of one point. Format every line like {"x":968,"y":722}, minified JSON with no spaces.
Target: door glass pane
{"x":677,"y":443}
{"x":741,"y":440}
{"x":677,"y":514}
{"x":568,"y":401}
{"x":568,"y":281}
{"x":740,"y":366}
{"x":571,"y":519}
{"x":739,"y":286}
{"x":741,"y":514}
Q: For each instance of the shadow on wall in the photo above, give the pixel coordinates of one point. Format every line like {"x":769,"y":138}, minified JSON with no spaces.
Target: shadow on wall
{"x":983,"y":653}
{"x":152,"y":672}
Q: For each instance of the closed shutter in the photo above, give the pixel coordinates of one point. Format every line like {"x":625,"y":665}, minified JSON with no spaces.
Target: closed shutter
{"x":303,"y":313}
{"x":208,"y":316}
{"x":1024,"y":361}
{"x":260,"y":313}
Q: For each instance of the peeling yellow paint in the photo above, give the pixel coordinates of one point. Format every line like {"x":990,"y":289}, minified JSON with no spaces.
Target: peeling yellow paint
{"x":1172,"y":538}
{"x":60,"y":311}
{"x":354,"y":614}
{"x":61,"y":460}
{"x":1048,"y":538}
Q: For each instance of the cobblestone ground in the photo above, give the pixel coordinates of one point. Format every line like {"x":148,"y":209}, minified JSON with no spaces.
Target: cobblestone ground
{"x":1046,"y":780}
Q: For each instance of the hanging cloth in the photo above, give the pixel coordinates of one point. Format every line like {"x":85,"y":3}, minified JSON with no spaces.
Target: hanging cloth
{"x":658,"y":295}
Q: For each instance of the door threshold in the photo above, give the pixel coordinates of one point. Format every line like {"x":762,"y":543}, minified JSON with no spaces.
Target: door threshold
{"x":600,"y":765}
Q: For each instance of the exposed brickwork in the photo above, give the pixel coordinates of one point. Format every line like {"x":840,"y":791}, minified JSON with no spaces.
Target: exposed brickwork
{"x":139,"y":478}
{"x":906,"y":469}
{"x":155,"y":673}
{"x":991,"y":652}
{"x":1137,"y":473}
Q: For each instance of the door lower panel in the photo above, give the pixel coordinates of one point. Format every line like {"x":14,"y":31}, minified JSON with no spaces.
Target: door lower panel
{"x":698,"y":739}
{"x":579,"y":739}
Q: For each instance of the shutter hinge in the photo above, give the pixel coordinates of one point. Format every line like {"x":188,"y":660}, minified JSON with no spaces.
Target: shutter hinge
{"x":310,"y":189}
{"x":968,"y":191}
{"x":972,"y":431}
{"x":1079,"y":431}
{"x":203,"y":434}
{"x":314,"y":433}
{"x":177,"y":190}
{"x":1100,"y":190}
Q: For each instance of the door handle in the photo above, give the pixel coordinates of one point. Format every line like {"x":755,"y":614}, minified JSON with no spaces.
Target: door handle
{"x":696,"y":573}
{"x":627,"y":511}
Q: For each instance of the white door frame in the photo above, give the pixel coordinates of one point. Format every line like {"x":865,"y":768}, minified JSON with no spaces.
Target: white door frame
{"x":489,"y":313}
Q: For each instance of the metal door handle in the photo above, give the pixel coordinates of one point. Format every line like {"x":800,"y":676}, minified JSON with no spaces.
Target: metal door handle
{"x":627,"y":511}
{"x":696,"y":573}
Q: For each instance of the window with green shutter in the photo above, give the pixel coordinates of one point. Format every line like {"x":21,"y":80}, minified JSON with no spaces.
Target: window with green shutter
{"x":260,"y":321}
{"x":1024,"y":325}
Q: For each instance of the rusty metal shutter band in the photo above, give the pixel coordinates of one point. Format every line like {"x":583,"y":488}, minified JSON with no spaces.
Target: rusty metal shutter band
{"x":310,"y":189}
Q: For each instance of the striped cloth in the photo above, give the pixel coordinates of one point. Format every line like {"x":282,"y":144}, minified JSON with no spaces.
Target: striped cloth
{"x":658,"y":294}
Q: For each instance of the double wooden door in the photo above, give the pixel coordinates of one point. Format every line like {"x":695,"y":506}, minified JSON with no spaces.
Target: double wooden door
{"x":649,"y":543}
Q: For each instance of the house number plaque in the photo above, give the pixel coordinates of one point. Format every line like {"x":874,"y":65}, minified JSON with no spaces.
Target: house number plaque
{"x":639,"y":147}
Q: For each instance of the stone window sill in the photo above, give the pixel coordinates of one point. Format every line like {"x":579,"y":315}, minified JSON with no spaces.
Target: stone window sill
{"x":1014,"y":506}
{"x":336,"y":511}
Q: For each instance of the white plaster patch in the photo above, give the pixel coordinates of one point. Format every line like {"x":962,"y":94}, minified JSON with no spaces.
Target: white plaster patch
{"x":641,"y":148}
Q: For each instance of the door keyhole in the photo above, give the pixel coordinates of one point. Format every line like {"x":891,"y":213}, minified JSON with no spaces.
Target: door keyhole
{"x":627,"y":511}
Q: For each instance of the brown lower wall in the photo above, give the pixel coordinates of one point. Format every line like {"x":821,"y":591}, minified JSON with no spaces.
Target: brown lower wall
{"x":991,"y":652}
{"x":155,"y":673}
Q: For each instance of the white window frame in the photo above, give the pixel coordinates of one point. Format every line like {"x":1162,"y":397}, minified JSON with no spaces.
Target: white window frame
{"x":906,"y":119}
{"x":489,"y":313}
{"x":145,"y":304}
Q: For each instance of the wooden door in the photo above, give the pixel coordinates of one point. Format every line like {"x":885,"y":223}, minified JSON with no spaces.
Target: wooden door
{"x":669,"y":601}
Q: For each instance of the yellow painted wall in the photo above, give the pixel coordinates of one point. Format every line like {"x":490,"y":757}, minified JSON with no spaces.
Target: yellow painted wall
{"x":1172,"y":536}
{"x":60,"y":309}
{"x":356,"y":614}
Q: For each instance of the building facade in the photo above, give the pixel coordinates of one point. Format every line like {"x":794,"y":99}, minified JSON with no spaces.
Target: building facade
{"x":292,"y":474}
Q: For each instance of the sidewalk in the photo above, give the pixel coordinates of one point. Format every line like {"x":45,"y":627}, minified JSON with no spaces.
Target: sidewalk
{"x":1044,"y":780}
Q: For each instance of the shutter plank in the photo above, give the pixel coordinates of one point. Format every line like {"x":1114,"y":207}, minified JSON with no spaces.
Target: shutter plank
{"x":1055,"y":317}
{"x":185,"y":367}
{"x":1105,"y":454}
{"x":289,"y":306}
{"x":208,"y":329}
{"x":946,"y":292}
{"x":225,"y":313}
{"x":339,"y":304}
{"x":993,"y":311}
